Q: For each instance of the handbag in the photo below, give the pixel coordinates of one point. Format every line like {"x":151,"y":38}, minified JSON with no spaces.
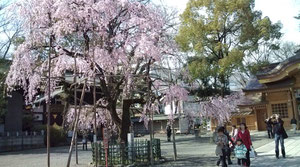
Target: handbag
{"x":252,"y":153}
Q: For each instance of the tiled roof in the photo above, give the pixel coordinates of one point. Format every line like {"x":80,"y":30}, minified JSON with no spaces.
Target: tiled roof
{"x":254,"y":85}
{"x":267,"y":69}
{"x":241,"y":113}
{"x":277,"y":67}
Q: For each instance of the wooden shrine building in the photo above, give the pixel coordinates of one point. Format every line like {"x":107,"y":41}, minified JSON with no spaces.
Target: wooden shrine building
{"x":274,"y":90}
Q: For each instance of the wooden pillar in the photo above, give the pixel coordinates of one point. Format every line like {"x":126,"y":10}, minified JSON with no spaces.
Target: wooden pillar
{"x":294,"y":105}
{"x":256,"y":122}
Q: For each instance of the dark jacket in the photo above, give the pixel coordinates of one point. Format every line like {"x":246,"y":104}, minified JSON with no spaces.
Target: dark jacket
{"x":278,"y":127}
{"x":169,"y":131}
{"x":269,"y":124}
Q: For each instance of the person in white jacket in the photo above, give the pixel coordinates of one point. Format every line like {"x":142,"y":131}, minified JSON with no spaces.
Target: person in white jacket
{"x":234,"y":133}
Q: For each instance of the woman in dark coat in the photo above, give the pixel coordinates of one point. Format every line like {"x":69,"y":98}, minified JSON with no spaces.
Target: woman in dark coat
{"x":280,"y":135}
{"x":244,"y":135}
{"x":169,"y":133}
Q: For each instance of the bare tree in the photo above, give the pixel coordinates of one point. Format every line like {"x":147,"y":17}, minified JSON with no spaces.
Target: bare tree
{"x":287,"y":49}
{"x":10,"y":29}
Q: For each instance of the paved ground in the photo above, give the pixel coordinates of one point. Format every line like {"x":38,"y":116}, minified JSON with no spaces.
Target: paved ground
{"x":191,"y":152}
{"x":38,"y":158}
{"x":199,"y":152}
{"x":266,"y":154}
{"x":202,"y":154}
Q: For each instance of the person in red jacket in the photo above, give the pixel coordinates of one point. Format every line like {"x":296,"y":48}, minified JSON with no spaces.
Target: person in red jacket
{"x":244,"y":135}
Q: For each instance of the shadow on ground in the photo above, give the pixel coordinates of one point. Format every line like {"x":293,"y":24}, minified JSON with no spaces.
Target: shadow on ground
{"x":189,"y":161}
{"x":56,"y":150}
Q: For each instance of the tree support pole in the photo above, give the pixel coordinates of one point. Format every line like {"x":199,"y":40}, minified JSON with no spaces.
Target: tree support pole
{"x":95,"y":112}
{"x":76,"y":124}
{"x":150,"y":114}
{"x":173,"y":133}
{"x":48,"y":101}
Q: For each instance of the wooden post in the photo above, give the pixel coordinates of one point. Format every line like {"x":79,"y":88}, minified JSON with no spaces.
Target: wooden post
{"x":295,"y":108}
{"x":293,"y":102}
{"x":151,"y":139}
{"x":173,"y":133}
{"x":256,"y":117}
{"x":95,"y":109}
{"x":48,"y":101}
{"x":76,"y":148}
{"x":75,"y":102}
{"x":151,"y":113}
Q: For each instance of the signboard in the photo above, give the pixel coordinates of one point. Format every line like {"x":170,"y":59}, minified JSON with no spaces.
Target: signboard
{"x":105,"y":144}
{"x":38,"y":117}
{"x":105,"y":138}
{"x":70,"y":134}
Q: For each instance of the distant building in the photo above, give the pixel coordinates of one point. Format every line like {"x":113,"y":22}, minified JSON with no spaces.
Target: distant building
{"x":183,"y":123}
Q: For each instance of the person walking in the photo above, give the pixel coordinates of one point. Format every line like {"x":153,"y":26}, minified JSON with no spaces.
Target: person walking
{"x":169,"y":133}
{"x":244,"y":135}
{"x":221,"y":141}
{"x":269,"y":124}
{"x":294,"y":124}
{"x":280,"y":135}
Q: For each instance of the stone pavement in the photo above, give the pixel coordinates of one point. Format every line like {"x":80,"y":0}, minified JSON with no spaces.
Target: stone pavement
{"x":266,"y":154}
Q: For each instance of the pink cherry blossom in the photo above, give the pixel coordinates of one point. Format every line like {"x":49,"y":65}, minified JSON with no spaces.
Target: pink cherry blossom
{"x":86,"y":119}
{"x":221,"y":108}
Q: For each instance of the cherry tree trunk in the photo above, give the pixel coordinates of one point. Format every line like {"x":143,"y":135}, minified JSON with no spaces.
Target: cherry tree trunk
{"x":125,"y":125}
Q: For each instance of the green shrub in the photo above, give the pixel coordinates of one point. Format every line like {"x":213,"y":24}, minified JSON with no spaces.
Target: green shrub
{"x":58,"y":136}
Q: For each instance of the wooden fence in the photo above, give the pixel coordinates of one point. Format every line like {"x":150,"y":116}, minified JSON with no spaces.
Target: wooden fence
{"x":123,"y":154}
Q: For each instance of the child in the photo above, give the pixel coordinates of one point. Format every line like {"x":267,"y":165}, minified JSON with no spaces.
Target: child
{"x":221,"y":140}
{"x":240,"y":151}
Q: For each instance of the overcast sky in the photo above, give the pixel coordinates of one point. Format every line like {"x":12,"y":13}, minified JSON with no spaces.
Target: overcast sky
{"x":278,"y":10}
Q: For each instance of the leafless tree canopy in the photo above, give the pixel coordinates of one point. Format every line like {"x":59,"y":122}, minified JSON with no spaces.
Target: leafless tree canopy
{"x":9,"y":29}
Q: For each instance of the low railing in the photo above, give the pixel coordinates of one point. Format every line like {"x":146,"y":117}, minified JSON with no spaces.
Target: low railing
{"x":123,"y":154}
